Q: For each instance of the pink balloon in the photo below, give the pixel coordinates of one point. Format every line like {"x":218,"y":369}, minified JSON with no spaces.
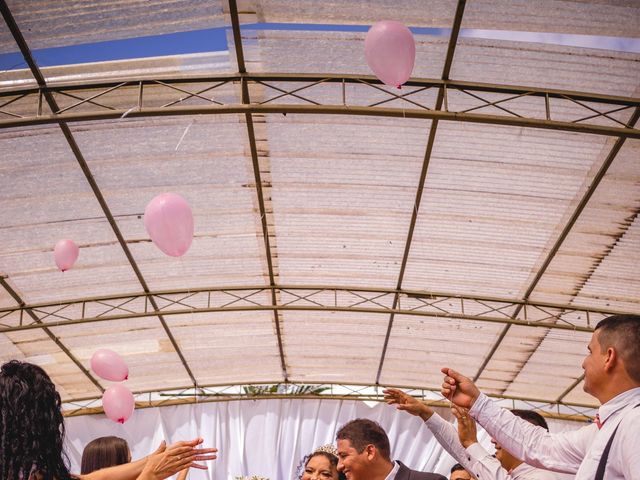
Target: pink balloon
{"x":390,"y":51}
{"x":109,"y":365}
{"x":65,"y":254}
{"x":169,"y":223}
{"x":118,"y":403}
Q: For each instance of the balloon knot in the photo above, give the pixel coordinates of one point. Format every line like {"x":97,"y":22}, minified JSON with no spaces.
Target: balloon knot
{"x":399,"y":87}
{"x":127,"y":377}
{"x":121,"y":420}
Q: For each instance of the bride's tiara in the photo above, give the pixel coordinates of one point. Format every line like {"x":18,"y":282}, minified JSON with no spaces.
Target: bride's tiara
{"x":328,"y":448}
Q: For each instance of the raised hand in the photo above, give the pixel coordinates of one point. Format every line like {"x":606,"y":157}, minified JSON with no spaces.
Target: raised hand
{"x":167,"y":461}
{"x":467,"y":431}
{"x":201,"y":454}
{"x":407,"y":403}
{"x":458,"y":388}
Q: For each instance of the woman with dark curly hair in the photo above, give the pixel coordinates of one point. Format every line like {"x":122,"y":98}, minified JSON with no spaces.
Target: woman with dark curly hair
{"x":32,"y":435}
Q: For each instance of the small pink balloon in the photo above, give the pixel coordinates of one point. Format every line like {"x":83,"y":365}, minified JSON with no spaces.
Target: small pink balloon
{"x":65,"y":254}
{"x":109,"y":365}
{"x":390,"y":52}
{"x":118,"y":403}
{"x":169,"y":223}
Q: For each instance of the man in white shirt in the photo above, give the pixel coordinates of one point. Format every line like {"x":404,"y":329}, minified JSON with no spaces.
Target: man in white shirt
{"x":608,"y":449}
{"x":364,"y":454}
{"x":463,"y":445}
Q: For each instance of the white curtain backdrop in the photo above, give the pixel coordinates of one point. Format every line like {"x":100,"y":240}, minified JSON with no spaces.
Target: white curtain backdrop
{"x":265,"y":437}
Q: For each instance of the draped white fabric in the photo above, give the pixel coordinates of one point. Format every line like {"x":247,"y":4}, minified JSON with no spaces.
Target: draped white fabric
{"x":265,"y":437}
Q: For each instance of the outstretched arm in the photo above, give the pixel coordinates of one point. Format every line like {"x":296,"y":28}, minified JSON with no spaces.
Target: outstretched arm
{"x":407,"y":403}
{"x":443,"y":431}
{"x":559,"y":452}
{"x":163,"y":463}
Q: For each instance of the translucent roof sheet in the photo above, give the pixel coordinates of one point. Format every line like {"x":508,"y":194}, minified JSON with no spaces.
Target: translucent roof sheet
{"x":524,"y":63}
{"x":45,"y":24}
{"x":346,"y":233}
{"x":608,"y":17}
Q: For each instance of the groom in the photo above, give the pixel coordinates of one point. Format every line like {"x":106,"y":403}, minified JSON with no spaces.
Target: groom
{"x":364,"y":454}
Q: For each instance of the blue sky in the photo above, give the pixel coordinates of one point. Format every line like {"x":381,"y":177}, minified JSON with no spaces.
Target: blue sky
{"x":215,"y":39}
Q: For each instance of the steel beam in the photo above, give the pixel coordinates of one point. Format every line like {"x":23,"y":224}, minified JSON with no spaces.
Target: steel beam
{"x":246,"y":100}
{"x":453,"y":40}
{"x":225,"y":393}
{"x":341,"y":106}
{"x":309,"y":78}
{"x":247,"y":109}
{"x":301,"y":298}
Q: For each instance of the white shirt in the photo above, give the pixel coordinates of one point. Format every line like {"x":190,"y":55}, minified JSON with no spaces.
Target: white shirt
{"x":577,"y":451}
{"x":393,"y":472}
{"x":485,"y":466}
{"x":476,"y":460}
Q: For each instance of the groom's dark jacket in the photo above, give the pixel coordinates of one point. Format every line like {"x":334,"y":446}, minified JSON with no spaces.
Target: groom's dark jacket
{"x":405,"y":473}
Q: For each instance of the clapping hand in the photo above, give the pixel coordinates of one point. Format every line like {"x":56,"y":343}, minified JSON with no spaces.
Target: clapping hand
{"x":167,"y":461}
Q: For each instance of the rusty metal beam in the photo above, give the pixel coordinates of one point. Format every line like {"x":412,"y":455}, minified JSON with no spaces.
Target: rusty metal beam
{"x":453,"y":40}
{"x":246,"y":100}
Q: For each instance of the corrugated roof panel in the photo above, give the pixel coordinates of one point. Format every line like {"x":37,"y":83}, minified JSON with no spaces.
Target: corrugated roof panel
{"x":200,"y":158}
{"x":560,"y":352}
{"x":528,"y":349}
{"x":141,"y":342}
{"x":420,"y":346}
{"x":229,"y":347}
{"x":37,"y":347}
{"x":615,"y":281}
{"x":9,"y":350}
{"x":329,"y":52}
{"x":492,"y":202}
{"x":46,"y":25}
{"x":413,"y":12}
{"x":585,"y":17}
{"x":44,"y":197}
{"x":342,"y":194}
{"x":310,"y":357}
{"x":6,"y":300}
{"x":601,"y":247}
{"x":547,"y":66}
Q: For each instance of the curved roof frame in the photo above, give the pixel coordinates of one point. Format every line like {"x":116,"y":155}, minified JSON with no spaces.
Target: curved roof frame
{"x":519,"y":311}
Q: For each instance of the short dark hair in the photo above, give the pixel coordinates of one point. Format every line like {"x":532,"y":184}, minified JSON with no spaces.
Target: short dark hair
{"x":623,"y":333}
{"x":104,"y":452}
{"x":362,"y":432}
{"x":457,"y":467}
{"x":531,"y":417}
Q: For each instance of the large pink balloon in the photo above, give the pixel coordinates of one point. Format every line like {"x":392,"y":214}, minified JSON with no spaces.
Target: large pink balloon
{"x":169,"y":223}
{"x":109,"y":365}
{"x":118,"y":403}
{"x":65,"y":254}
{"x":390,"y":51}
